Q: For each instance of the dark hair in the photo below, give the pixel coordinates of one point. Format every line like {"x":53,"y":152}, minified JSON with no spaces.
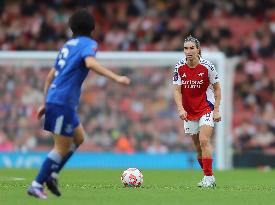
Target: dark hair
{"x":195,"y":41}
{"x":82,"y":23}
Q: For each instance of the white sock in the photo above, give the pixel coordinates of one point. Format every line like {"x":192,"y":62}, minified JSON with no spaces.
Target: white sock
{"x":54,"y":175}
{"x":36,"y":184}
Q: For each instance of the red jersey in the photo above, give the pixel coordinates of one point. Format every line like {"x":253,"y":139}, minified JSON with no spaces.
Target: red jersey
{"x":196,"y":87}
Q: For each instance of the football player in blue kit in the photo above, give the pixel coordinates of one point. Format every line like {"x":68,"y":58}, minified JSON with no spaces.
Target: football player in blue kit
{"x":62,"y":92}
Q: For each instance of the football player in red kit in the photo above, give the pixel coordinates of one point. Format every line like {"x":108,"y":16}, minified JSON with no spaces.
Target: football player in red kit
{"x":197,"y":94}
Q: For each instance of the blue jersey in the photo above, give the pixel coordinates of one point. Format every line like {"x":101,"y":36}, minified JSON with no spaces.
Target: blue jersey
{"x":71,"y":71}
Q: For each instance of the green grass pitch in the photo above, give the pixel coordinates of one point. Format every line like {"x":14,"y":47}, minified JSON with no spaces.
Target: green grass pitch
{"x":165,"y":187}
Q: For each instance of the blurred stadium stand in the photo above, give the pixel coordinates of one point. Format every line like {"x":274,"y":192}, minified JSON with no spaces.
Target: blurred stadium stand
{"x":245,"y":29}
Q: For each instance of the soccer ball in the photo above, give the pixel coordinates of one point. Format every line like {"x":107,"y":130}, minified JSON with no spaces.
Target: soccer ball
{"x":132,"y":177}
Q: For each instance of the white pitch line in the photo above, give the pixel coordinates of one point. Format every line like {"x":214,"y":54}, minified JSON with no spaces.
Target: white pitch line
{"x":12,"y":179}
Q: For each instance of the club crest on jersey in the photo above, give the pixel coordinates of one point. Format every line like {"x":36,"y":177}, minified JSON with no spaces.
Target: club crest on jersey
{"x":184,"y":75}
{"x":69,"y":128}
{"x":200,"y":74}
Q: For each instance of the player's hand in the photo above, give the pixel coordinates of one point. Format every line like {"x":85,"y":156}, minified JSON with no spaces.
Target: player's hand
{"x":216,"y":116}
{"x":183,"y":115}
{"x":123,"y":80}
{"x":41,"y":112}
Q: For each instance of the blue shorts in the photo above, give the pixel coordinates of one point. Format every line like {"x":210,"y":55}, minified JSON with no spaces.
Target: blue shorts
{"x":60,"y":120}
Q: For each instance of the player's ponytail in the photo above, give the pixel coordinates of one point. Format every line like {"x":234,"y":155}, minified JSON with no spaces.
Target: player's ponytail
{"x":200,"y":53}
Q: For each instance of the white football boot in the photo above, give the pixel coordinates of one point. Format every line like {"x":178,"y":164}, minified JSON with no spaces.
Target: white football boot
{"x":200,"y":182}
{"x":208,"y":182}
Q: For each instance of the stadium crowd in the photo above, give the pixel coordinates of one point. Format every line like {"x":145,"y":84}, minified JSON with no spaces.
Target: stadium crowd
{"x":139,"y":118}
{"x":126,"y":121}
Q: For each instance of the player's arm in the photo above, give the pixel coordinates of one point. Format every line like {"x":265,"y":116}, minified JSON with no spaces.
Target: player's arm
{"x":92,"y":64}
{"x":215,"y":82}
{"x":217,"y":95}
{"x":47,"y":84}
{"x":178,"y":99}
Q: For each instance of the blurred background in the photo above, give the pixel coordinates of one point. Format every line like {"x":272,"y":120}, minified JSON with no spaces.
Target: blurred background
{"x":141,"y":118}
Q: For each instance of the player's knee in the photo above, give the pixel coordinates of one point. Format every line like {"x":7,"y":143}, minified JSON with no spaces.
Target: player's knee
{"x":79,"y":140}
{"x":204,"y":143}
{"x":62,"y":149}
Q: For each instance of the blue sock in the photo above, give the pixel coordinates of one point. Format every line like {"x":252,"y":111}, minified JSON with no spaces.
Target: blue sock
{"x":51,"y":164}
{"x":67,"y":157}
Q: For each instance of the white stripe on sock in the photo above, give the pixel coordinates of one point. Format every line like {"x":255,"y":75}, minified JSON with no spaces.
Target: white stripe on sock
{"x":36,"y":184}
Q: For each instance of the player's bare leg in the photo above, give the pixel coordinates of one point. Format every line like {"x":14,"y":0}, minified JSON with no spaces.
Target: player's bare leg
{"x":62,"y":145}
{"x":50,"y":165}
{"x":79,"y":135}
{"x":78,"y":139}
{"x":207,"y":150}
{"x":205,"y":140}
{"x":197,"y":145}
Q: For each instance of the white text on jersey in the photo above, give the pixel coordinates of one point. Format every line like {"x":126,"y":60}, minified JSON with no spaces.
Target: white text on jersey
{"x":192,"y":83}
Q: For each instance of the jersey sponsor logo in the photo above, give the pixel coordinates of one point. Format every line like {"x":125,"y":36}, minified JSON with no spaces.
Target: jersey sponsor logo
{"x":192,"y":83}
{"x":176,"y":76}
